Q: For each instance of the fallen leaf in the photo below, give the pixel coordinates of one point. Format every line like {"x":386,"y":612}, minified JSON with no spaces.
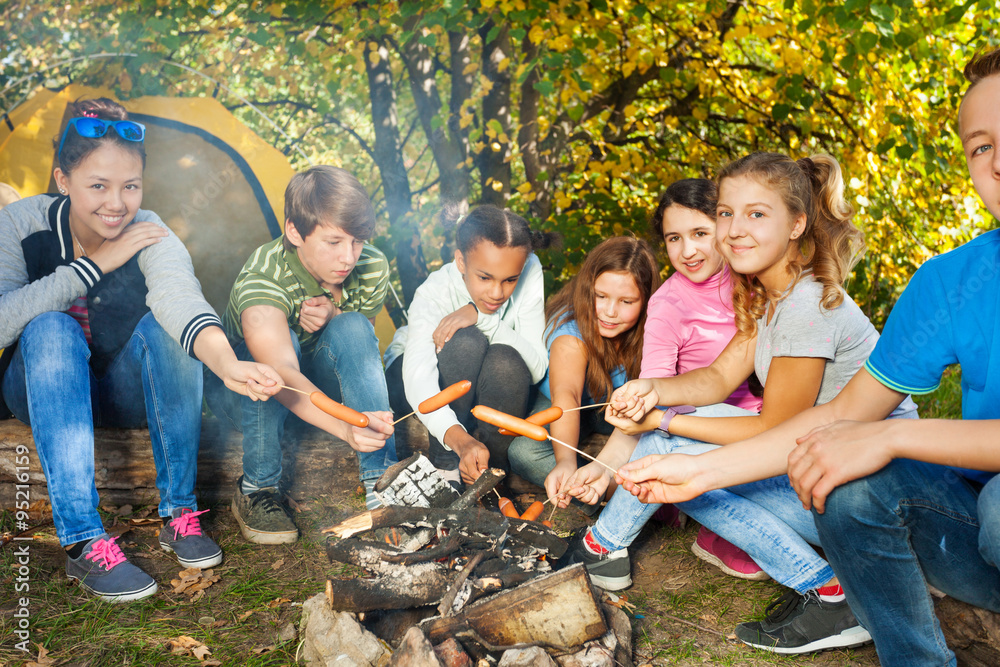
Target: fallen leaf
{"x":183,"y":645}
{"x":211,"y":663}
{"x":244,"y":616}
{"x":193,"y":582}
{"x":201,"y":652}
{"x":276,"y":565}
{"x":145,"y":522}
{"x":298,"y":507}
{"x":42,"y":660}
{"x":123,"y":510}
{"x":277,"y":602}
{"x":263,"y":649}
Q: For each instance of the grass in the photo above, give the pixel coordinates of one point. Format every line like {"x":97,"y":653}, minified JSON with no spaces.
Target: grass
{"x":946,"y":401}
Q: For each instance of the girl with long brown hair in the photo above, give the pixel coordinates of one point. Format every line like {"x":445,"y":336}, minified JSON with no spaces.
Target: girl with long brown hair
{"x":594,"y":335}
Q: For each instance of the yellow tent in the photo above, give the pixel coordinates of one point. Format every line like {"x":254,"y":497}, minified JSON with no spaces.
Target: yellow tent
{"x":218,"y":185}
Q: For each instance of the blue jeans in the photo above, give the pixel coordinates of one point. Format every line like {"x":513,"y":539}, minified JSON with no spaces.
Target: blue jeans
{"x":346,"y":366}
{"x":763,"y":518}
{"x":50,"y":386}
{"x":911,"y":522}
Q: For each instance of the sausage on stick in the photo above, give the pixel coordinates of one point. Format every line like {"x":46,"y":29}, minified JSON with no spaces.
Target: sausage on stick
{"x":338,"y":410}
{"x":510,"y":422}
{"x":333,"y":408}
{"x":440,"y":399}
{"x":525,"y":428}
{"x":542,"y":418}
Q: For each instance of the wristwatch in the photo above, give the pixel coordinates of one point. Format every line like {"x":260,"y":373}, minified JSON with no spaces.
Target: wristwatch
{"x":672,"y":412}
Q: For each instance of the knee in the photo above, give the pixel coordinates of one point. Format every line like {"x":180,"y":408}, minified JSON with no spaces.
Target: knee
{"x":989,"y":521}
{"x":466,"y":343}
{"x":53,"y":324}
{"x":52,"y":330}
{"x":348,"y":329}
{"x":351,"y":323}
{"x":505,"y":363}
{"x":851,"y":506}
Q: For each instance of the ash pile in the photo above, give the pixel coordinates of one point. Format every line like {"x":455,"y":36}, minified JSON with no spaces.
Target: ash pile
{"x":449,"y":582}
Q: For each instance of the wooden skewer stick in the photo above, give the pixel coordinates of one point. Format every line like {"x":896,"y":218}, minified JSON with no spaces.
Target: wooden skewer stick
{"x":585,"y":454}
{"x":285,"y":386}
{"x":404,"y":417}
{"x":553,"y":512}
{"x":587,"y":407}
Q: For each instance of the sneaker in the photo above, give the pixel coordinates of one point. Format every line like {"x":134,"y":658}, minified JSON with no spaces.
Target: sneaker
{"x":263,"y":517}
{"x":182,"y":536}
{"x":796,"y":623}
{"x":103,"y":570}
{"x":611,"y":571}
{"x":726,"y":556}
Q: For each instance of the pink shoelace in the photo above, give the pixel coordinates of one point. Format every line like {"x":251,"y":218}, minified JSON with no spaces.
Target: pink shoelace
{"x":106,"y":553}
{"x":187,"y":524}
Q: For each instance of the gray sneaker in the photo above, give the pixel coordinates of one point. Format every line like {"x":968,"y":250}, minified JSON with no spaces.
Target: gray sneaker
{"x":263,"y":517}
{"x":611,"y":571}
{"x":796,"y":623}
{"x":182,"y":536}
{"x":103,"y":570}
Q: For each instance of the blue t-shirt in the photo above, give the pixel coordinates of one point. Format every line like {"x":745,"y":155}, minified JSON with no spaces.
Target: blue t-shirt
{"x":948,"y":314}
{"x":618,"y":377}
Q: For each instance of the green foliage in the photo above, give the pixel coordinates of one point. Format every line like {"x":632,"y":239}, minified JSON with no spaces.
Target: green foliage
{"x":608,"y":101}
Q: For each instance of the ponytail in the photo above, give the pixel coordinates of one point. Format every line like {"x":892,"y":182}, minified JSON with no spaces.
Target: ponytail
{"x":831,"y":245}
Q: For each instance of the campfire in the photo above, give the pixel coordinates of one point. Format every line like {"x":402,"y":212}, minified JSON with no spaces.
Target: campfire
{"x":476,"y":582}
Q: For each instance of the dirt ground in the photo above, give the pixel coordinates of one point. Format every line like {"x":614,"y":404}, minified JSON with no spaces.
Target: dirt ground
{"x":684,"y":610}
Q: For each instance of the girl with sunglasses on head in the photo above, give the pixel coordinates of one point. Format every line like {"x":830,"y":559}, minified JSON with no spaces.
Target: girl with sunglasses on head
{"x":99,"y":305}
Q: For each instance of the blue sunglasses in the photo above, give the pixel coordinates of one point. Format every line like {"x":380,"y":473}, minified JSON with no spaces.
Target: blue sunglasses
{"x":95,"y":128}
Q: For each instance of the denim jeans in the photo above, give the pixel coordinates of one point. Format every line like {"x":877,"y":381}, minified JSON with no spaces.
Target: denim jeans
{"x":500,"y":379}
{"x":345,"y":365}
{"x":763,"y":518}
{"x":533,"y":460}
{"x":50,"y":386}
{"x":907,"y":524}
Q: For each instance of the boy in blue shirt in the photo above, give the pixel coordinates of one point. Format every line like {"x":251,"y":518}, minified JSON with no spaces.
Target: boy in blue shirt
{"x":898,"y":504}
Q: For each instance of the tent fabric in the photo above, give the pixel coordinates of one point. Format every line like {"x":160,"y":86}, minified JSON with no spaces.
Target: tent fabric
{"x":212,"y":180}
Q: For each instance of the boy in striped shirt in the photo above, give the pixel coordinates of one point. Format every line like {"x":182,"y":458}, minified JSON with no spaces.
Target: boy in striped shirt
{"x":306,"y":303}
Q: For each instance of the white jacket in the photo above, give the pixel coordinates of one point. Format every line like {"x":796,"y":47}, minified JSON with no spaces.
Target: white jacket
{"x":519,"y":323}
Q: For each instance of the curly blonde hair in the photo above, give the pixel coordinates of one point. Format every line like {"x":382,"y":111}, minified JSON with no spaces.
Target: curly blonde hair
{"x":831,"y":244}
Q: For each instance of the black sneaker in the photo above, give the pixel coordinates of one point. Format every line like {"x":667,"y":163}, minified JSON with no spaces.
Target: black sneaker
{"x":796,"y":623}
{"x":182,"y":536}
{"x":103,"y":570}
{"x":611,"y":571}
{"x":263,"y":517}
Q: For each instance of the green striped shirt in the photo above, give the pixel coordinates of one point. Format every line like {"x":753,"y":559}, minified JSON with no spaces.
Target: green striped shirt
{"x":275,"y":277}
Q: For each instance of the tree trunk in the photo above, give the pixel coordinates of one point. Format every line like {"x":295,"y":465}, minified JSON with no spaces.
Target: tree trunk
{"x":494,"y":159}
{"x":388,"y":154}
